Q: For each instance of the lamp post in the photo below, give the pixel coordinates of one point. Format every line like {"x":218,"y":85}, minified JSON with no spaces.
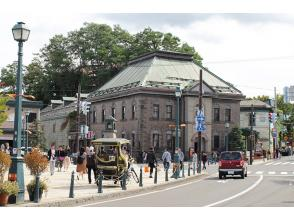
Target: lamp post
{"x":27,"y":133}
{"x":20,"y":34}
{"x":178,"y":94}
{"x":227,"y":126}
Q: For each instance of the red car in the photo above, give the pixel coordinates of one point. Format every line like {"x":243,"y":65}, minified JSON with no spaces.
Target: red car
{"x":232,"y":163}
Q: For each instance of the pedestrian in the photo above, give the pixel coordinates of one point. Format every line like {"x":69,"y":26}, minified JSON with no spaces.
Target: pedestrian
{"x":81,"y":163}
{"x":91,"y":164}
{"x":277,"y":153}
{"x":269,"y":154}
{"x":8,"y":149}
{"x":204,"y":160}
{"x":214,"y":157}
{"x":166,"y":158}
{"x":264,"y":154}
{"x":2,"y":148}
{"x":151,"y":160}
{"x":66,"y":161}
{"x":181,"y":157}
{"x":194,"y":160}
{"x":60,"y":155}
{"x":51,"y":158}
{"x":144,"y":157}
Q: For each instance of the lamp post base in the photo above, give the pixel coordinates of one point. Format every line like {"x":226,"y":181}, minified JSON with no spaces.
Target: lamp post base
{"x":17,"y":168}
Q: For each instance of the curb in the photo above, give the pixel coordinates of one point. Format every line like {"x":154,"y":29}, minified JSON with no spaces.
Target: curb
{"x":68,"y":202}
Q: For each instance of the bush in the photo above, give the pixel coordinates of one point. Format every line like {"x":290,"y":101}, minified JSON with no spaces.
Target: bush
{"x":5,"y":162}
{"x":32,"y":184}
{"x":8,"y":187}
{"x":36,"y":162}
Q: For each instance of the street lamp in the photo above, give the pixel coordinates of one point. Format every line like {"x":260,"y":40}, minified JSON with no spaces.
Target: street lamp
{"x":27,"y":132}
{"x":20,"y":34}
{"x":227,"y":126}
{"x":178,"y":94}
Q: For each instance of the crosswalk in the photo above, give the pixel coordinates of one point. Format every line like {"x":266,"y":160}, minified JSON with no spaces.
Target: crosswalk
{"x":279,"y":163}
{"x":270,"y":172}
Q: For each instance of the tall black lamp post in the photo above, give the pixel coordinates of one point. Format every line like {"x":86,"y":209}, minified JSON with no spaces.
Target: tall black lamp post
{"x":20,"y":34}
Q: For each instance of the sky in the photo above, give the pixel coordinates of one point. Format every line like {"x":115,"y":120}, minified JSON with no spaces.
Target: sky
{"x":253,"y":51}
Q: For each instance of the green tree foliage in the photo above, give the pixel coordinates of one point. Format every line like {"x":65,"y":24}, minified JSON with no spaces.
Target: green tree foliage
{"x":235,"y":139}
{"x":3,"y":108}
{"x":263,"y":98}
{"x":36,"y":136}
{"x":92,"y":55}
{"x":8,"y":77}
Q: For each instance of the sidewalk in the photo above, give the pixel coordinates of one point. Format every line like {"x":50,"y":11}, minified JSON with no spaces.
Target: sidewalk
{"x":59,"y":186}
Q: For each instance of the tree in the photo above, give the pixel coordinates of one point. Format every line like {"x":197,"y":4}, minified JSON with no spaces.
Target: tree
{"x":8,"y":77}
{"x":235,"y":139}
{"x":36,"y":136}
{"x":3,"y":108}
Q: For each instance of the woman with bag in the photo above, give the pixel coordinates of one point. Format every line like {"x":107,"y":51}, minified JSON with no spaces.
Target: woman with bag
{"x":151,"y":159}
{"x":81,"y":163}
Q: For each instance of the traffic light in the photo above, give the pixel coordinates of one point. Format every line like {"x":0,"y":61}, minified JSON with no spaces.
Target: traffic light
{"x":252,"y":116}
{"x":270,"y":117}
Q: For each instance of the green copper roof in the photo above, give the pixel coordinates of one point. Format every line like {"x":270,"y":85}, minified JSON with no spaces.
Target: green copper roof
{"x":163,"y":69}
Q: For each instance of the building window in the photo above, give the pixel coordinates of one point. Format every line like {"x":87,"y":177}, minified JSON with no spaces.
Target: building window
{"x":123,"y":113}
{"x":227,"y":115}
{"x":133,"y":139}
{"x":216,"y":114}
{"x":103,"y":115}
{"x":155,"y":140}
{"x":32,"y":117}
{"x":156,"y":111}
{"x":54,"y":128}
{"x":169,"y":111}
{"x":133,"y":111}
{"x":169,"y":141}
{"x":216,"y":141}
{"x":94,"y":116}
{"x":113,"y":112}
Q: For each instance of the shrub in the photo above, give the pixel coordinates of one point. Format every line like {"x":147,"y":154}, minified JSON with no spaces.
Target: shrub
{"x":8,"y":187}
{"x":36,"y":162}
{"x":5,"y":162}
{"x":32,"y":184}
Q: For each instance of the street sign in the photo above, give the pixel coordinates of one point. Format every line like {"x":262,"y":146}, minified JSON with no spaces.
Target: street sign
{"x":200,"y":122}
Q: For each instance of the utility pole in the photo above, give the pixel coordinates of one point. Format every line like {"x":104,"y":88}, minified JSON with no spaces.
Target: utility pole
{"x":199,"y":132}
{"x":77,"y":146}
{"x":251,"y":134}
{"x":275,"y":125}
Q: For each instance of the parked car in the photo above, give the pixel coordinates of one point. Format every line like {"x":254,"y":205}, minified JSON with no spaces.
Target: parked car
{"x":232,"y":163}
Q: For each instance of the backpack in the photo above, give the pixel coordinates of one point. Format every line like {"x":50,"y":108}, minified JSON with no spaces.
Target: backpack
{"x":80,"y":159}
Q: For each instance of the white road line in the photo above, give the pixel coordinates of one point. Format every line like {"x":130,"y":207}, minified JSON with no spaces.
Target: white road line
{"x":269,"y":163}
{"x":248,"y":172}
{"x":277,"y":163}
{"x":284,"y":173}
{"x":292,"y":163}
{"x":238,"y":194}
{"x":286,"y":163}
{"x":143,"y":194}
{"x":259,"y":172}
{"x":293,"y":173}
{"x":271,"y":172}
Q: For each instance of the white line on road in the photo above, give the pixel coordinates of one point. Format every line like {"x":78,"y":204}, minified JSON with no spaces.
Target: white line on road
{"x":144,"y":194}
{"x":248,"y":172}
{"x":286,"y":163}
{"x":277,"y":163}
{"x":238,"y":194}
{"x":269,"y":163}
{"x":284,"y":173}
{"x":271,"y":172}
{"x":259,"y":172}
{"x":292,"y":163}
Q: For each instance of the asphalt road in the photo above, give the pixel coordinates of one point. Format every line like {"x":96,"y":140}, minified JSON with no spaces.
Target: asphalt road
{"x":269,"y":184}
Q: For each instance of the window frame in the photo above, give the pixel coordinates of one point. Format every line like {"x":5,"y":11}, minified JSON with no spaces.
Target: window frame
{"x":154,"y":115}
{"x":169,"y":112}
{"x":216,"y":119}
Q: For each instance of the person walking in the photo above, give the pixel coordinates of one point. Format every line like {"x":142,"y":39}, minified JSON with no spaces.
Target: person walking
{"x":214,"y":157}
{"x":204,"y":160}
{"x":151,"y":160}
{"x":51,"y":157}
{"x":66,"y":161}
{"x":194,"y":160}
{"x":81,"y":163}
{"x":91,"y":164}
{"x":60,"y":155}
{"x":166,"y":158}
{"x":181,"y":157}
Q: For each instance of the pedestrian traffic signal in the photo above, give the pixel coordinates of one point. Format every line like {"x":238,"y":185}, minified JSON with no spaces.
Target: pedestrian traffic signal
{"x":270,"y":117}
{"x":252,"y":121}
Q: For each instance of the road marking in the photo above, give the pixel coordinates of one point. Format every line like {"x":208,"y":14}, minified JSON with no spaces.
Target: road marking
{"x":238,"y":194}
{"x":222,"y":181}
{"x":271,"y":172}
{"x":292,"y":163}
{"x":286,"y":163}
{"x":269,"y":163}
{"x":144,"y":194}
{"x":277,"y":163}
{"x":284,"y":173}
{"x":248,"y":172}
{"x":259,"y":172}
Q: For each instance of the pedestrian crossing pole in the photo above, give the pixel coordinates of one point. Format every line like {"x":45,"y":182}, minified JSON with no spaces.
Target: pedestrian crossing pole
{"x":251,"y":134}
{"x":199,"y":132}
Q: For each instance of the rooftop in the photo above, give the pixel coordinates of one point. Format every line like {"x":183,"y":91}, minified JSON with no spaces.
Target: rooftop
{"x":255,"y":103}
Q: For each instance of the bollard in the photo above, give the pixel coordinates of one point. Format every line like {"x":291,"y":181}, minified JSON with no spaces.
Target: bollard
{"x":183,"y":170}
{"x":155,"y":176}
{"x":37,"y":189}
{"x":194,"y":168}
{"x":71,"y":189}
{"x":100,"y":190}
{"x":189,"y":167}
{"x":166,"y":175}
{"x":177,"y":171}
{"x":124,"y":185}
{"x":141,"y":177}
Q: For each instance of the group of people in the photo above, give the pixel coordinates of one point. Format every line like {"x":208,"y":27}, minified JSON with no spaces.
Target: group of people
{"x":59,"y":157}
{"x":6,"y":148}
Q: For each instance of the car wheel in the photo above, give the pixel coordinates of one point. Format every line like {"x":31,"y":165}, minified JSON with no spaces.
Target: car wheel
{"x":242,"y":175}
{"x":220,"y":176}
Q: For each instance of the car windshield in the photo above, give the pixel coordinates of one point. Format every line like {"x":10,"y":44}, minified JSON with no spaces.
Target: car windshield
{"x":230,"y":156}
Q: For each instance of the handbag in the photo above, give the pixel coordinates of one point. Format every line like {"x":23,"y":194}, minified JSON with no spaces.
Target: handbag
{"x":146,"y":169}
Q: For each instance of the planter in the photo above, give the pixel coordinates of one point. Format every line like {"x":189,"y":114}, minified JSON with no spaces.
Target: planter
{"x":3,"y":199}
{"x":32,"y":195}
{"x":12,"y":199}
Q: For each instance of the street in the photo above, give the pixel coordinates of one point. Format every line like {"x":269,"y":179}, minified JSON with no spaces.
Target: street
{"x":269,"y":184}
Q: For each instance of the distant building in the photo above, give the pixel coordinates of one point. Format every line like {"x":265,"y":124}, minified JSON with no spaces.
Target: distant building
{"x":142,"y":100}
{"x":288,"y":93}
{"x":262,"y":124}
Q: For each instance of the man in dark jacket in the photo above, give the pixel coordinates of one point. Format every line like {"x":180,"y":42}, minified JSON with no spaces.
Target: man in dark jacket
{"x":91,"y":164}
{"x":151,"y":160}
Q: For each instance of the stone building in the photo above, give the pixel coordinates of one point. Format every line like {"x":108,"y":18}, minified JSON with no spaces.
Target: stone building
{"x":142,"y":100}
{"x":262,"y":124}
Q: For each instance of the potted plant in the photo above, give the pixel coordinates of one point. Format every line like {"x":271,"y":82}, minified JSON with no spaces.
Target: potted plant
{"x":7,"y":188}
{"x":31,"y":188}
{"x":37,"y":163}
{"x":5,"y":162}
